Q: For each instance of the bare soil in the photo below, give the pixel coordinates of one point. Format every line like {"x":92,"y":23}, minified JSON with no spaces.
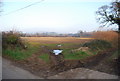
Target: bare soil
{"x":100,"y":62}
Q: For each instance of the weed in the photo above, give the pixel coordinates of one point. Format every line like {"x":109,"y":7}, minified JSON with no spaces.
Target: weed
{"x":20,"y":54}
{"x":44,"y":57}
{"x":75,"y":55}
{"x":12,"y":39}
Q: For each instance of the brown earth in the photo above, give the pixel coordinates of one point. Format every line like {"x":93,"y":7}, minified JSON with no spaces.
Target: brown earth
{"x":97,"y":62}
{"x":39,"y":67}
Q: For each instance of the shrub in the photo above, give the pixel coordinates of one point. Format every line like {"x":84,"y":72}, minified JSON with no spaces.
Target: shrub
{"x":11,"y":39}
{"x":98,"y":45}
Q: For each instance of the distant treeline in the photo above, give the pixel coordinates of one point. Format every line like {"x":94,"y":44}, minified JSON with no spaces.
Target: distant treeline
{"x":53,"y":34}
{"x":50,"y":34}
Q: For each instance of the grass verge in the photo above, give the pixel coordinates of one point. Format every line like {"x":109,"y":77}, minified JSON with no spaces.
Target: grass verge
{"x":20,"y":54}
{"x":76,"y":55}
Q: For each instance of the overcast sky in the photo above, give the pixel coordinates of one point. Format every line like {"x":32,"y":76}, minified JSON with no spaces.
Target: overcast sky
{"x":62,"y":16}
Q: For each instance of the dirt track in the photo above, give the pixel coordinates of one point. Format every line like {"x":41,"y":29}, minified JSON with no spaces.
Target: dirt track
{"x":12,"y":72}
{"x":82,"y":73}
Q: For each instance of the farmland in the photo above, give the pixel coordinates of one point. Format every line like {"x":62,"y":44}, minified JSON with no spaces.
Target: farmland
{"x":55,"y":40}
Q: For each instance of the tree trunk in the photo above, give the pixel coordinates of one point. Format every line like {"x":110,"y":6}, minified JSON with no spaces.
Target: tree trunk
{"x":119,"y":28}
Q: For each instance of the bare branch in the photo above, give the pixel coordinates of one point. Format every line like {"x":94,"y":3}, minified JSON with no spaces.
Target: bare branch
{"x":108,"y":15}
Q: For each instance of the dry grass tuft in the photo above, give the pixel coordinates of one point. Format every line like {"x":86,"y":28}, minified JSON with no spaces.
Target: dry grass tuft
{"x":109,"y":36}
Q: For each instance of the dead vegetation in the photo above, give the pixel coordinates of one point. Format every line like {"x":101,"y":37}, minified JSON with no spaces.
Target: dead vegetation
{"x":109,"y":36}
{"x":54,"y":40}
{"x":11,"y":40}
{"x":81,"y":49}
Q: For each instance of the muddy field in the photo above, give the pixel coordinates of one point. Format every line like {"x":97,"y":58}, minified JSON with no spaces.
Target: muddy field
{"x":44,"y":69}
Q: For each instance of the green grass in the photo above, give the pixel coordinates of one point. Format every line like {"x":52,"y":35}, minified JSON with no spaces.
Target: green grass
{"x":68,"y":55}
{"x":44,"y":57}
{"x":93,"y":52}
{"x":64,"y":45}
{"x":20,"y":54}
{"x":75,"y":55}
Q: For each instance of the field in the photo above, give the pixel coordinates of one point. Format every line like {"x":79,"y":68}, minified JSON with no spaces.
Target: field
{"x":37,"y":57}
{"x":44,"y":45}
{"x":50,"y":43}
{"x":55,"y":40}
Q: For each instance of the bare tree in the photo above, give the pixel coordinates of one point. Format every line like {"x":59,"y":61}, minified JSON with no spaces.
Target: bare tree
{"x":109,"y":14}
